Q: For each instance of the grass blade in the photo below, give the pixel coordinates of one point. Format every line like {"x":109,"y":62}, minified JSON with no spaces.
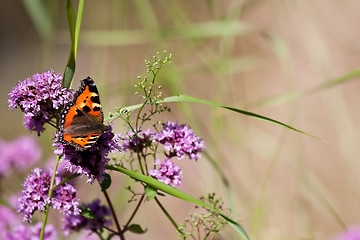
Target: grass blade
{"x":179,"y":194}
{"x":184,"y":98}
{"x":70,"y":66}
{"x":78,"y":25}
{"x":74,"y":35}
{"x":40,"y":17}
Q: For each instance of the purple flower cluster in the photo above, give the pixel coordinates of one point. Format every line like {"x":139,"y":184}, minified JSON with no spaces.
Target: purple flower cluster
{"x":7,"y":218}
{"x":20,"y":154}
{"x":137,"y":142}
{"x":39,"y":98}
{"x":168,"y":172}
{"x":100,"y":218}
{"x":180,"y":140}
{"x":351,"y":234}
{"x":11,"y":228}
{"x":34,"y":196}
{"x":29,"y":232}
{"x":90,"y":162}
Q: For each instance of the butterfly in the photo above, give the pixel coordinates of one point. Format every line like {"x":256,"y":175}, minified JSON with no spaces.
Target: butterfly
{"x":82,"y":119}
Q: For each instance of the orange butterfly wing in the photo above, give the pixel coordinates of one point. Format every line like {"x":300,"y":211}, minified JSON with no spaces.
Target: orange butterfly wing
{"x":81,"y":120}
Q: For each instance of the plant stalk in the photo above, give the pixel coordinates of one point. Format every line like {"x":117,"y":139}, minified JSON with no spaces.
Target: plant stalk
{"x":120,"y":232}
{"x":51,"y":189}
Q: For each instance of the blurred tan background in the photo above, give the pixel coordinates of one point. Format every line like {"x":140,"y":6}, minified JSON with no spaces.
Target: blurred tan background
{"x":262,"y":56}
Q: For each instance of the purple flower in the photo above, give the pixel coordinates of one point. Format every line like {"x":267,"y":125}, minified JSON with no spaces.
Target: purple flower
{"x":351,"y":234}
{"x":34,"y":196}
{"x":20,"y":153}
{"x":168,"y":173}
{"x":180,"y":141}
{"x":11,"y":228}
{"x":34,"y":123}
{"x":100,"y":216}
{"x":25,"y":152}
{"x":7,"y":218}
{"x":39,"y":98}
{"x":64,"y":199}
{"x":137,"y":142}
{"x":30,"y":232}
{"x":49,"y":234}
{"x":90,"y":162}
{"x":18,"y":232}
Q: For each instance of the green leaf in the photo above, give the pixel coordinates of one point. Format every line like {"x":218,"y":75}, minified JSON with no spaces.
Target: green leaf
{"x":78,"y":25}
{"x":87,"y":213}
{"x":124,"y":110}
{"x":150,"y":192}
{"x":74,"y":36}
{"x":72,"y":176}
{"x":105,"y":184}
{"x":68,"y":74}
{"x":136,"y":228}
{"x":184,"y":98}
{"x":71,"y":64}
{"x":179,"y":194}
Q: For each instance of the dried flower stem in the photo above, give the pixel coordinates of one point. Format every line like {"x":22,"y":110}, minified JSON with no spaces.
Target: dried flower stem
{"x":169,"y":217}
{"x":120,"y":232}
{"x":133,"y":214}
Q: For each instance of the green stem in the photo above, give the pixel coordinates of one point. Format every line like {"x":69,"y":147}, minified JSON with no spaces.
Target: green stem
{"x":51,"y":189}
{"x":208,"y":234}
{"x":139,"y":158}
{"x":138,"y":115}
{"x":74,"y":175}
{"x":77,"y":27}
{"x":120,"y":232}
{"x":133,"y":214}
{"x":169,"y":217}
{"x":136,"y":135}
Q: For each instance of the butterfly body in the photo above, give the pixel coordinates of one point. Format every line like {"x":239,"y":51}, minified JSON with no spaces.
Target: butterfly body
{"x":82,"y":120}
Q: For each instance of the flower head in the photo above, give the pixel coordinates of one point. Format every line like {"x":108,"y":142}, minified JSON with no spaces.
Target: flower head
{"x":90,"y":162}
{"x":180,"y":141}
{"x":351,"y":234}
{"x":30,"y":232}
{"x":39,"y":97}
{"x":7,"y":218}
{"x":35,"y":123}
{"x":24,"y":151}
{"x":137,"y":142}
{"x":168,"y":173}
{"x":19,"y":232}
{"x":19,"y":153}
{"x":34,"y":196}
{"x":100,"y":218}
